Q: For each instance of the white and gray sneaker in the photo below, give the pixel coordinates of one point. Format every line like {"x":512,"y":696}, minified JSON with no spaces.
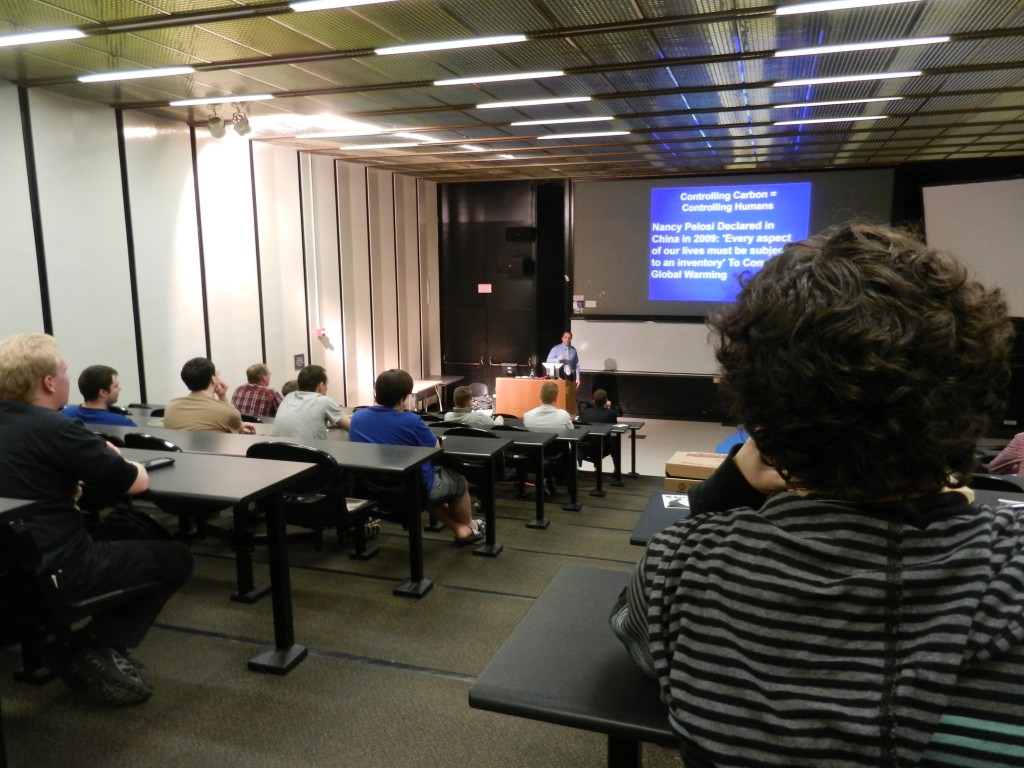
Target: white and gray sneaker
{"x":114,"y":677}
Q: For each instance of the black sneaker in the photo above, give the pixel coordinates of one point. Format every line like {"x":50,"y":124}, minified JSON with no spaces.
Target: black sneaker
{"x":110,"y":674}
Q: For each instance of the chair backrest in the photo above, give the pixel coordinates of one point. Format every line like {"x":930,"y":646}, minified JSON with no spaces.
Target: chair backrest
{"x":472,"y":432}
{"x":510,"y":427}
{"x":504,"y":415}
{"x":149,"y":442}
{"x":252,"y":419}
{"x":478,"y":390}
{"x":431,"y":416}
{"x":319,"y":482}
{"x":983,"y":482}
{"x":112,"y":439}
{"x":156,"y":413}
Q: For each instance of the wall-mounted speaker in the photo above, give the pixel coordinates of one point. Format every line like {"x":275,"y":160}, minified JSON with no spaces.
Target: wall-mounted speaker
{"x":520,"y":234}
{"x":515,"y":265}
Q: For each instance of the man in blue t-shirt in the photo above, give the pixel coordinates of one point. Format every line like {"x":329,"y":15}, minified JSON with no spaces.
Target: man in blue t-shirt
{"x":388,"y":423}
{"x":100,"y":390}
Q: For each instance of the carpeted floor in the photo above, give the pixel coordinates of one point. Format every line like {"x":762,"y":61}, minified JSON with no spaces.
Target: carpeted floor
{"x":387,"y":678}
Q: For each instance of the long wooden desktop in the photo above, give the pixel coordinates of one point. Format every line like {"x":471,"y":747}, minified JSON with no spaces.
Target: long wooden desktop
{"x":515,"y":396}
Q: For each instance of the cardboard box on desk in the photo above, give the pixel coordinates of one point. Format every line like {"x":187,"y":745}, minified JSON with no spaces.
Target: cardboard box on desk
{"x":693,"y":464}
{"x":687,"y":468}
{"x":681,"y":484}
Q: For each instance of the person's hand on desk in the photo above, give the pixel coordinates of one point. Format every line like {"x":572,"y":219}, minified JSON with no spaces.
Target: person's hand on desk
{"x":248,"y":429}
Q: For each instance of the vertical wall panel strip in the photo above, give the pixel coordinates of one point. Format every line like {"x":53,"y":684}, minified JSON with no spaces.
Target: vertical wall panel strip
{"x":81,"y":207}
{"x":256,"y":246}
{"x":21,"y":310}
{"x":202,"y":250}
{"x":357,"y":307}
{"x":37,"y":222}
{"x":430,"y":285}
{"x":161,"y":192}
{"x":130,"y":244}
{"x":381,"y":220}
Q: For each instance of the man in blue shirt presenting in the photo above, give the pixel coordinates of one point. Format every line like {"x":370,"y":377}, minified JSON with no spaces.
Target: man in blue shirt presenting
{"x":566,"y":356}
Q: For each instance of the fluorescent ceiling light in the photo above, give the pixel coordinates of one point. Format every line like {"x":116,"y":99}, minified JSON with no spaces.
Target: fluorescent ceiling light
{"x":415,"y":137}
{"x":500,"y":78}
{"x":399,"y":145}
{"x":472,"y":148}
{"x":508,"y":157}
{"x":446,"y":45}
{"x":136,"y":74}
{"x":47,"y":36}
{"x":533,"y":102}
{"x":562,"y":121}
{"x":831,"y":120}
{"x":833,"y":5}
{"x":582,"y":135}
{"x":837,"y":102}
{"x":220,"y":100}
{"x":324,"y":5}
{"x":863,"y":46}
{"x":846,"y":79}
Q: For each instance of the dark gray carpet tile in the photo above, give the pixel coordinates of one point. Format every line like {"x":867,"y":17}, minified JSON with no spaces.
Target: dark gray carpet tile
{"x":209,"y":711}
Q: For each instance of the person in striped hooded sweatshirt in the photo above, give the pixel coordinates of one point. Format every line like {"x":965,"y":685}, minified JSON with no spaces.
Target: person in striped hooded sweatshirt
{"x":833,"y":600}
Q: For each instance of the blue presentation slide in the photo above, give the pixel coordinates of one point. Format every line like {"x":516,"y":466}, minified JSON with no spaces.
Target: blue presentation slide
{"x":703,"y":238}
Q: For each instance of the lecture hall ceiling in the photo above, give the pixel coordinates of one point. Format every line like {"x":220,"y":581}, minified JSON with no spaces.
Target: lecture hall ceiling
{"x":678,"y":87}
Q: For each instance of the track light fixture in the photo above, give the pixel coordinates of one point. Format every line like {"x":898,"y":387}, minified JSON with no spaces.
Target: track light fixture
{"x":240,"y":121}
{"x":215,"y":125}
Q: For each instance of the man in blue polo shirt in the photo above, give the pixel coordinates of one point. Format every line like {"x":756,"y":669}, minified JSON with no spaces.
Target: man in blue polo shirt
{"x":388,"y":423}
{"x":100,"y":389}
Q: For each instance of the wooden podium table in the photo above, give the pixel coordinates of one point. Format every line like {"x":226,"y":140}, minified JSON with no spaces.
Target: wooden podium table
{"x":516,"y":396}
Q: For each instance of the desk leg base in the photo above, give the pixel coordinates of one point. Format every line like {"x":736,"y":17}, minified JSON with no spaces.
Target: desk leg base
{"x":634,"y":475}
{"x":596,"y":492}
{"x":277,"y":661}
{"x":367,"y":554}
{"x":489,"y":550}
{"x":572,"y":507}
{"x":618,"y":484}
{"x":256,"y":593}
{"x":624,"y":753}
{"x":410,"y":588}
{"x":535,"y":523}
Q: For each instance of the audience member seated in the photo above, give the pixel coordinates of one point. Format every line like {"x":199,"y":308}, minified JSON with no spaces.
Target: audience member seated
{"x":205,"y":408}
{"x":831,"y":601}
{"x":1009,"y":460}
{"x":388,"y":423}
{"x":45,"y":457}
{"x":601,"y":412}
{"x":289,"y":386}
{"x":100,"y":390}
{"x":463,"y":412}
{"x":547,"y":418}
{"x":256,"y":398}
{"x":307,"y":412}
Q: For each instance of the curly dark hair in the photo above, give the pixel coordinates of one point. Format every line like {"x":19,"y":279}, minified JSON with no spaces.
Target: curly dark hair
{"x":864,"y":364}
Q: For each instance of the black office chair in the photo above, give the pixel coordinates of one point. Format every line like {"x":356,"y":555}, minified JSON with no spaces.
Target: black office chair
{"x":149,"y":442}
{"x":1006,"y":483}
{"x":30,"y":599}
{"x":432,"y":416}
{"x":471,"y":432}
{"x":482,"y":399}
{"x":320,"y":501}
{"x":115,"y":440}
{"x":251,"y":419}
{"x":156,"y":413}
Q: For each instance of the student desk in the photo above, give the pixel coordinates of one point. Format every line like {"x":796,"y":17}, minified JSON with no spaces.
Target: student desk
{"x":422,"y":387}
{"x":534,"y":442}
{"x":633,"y":427}
{"x":10,"y":510}
{"x":401,"y":460}
{"x":233,"y":481}
{"x":563,"y":664}
{"x":655,"y":518}
{"x":572,"y":439}
{"x":487,"y":452}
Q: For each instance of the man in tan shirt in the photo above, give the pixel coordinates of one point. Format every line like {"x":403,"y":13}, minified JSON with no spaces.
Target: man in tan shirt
{"x":206,"y":407}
